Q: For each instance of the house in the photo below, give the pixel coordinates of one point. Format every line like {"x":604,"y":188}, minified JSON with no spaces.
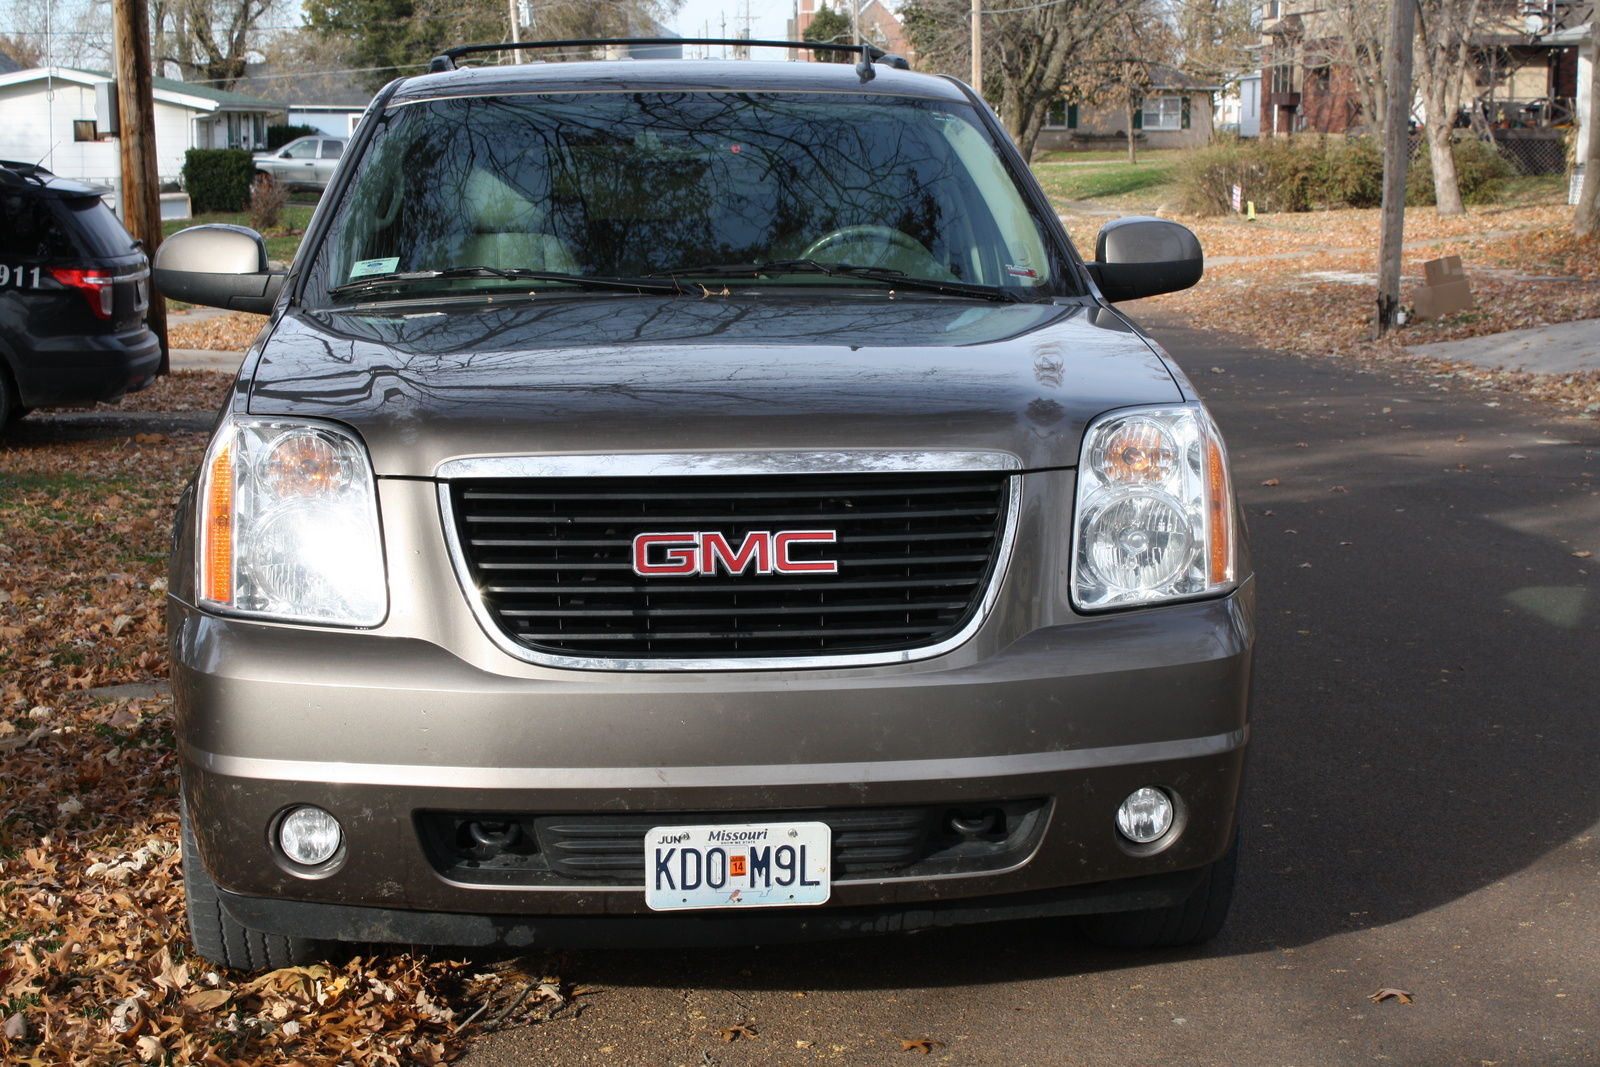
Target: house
{"x":1177,"y":113}
{"x":1239,"y":108}
{"x":1530,"y":64}
{"x":1250,"y":104}
{"x":334,"y":120}
{"x":51,"y":120}
{"x":879,"y":26}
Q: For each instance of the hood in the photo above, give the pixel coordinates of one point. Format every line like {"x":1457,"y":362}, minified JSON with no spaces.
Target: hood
{"x":605,"y":375}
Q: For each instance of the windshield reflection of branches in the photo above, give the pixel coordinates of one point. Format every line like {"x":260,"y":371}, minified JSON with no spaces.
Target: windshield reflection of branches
{"x":634,"y":183}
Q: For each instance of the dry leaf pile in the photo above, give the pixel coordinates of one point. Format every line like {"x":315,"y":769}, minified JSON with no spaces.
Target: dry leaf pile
{"x":1301,"y":289}
{"x":220,"y":333}
{"x":94,"y":958}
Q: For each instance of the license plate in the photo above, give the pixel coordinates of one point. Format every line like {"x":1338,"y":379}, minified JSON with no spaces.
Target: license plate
{"x":738,"y":865}
{"x":140,"y":299}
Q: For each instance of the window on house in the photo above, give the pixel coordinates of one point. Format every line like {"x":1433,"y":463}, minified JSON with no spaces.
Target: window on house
{"x":1061,"y":116}
{"x":84,"y":130}
{"x":1320,"y":78}
{"x":1163,"y":113}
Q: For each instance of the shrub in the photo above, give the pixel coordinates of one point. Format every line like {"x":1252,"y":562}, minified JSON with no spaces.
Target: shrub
{"x":1283,"y":174}
{"x":1480,"y":171}
{"x":278,"y":136}
{"x":268,"y":197}
{"x":218,"y":179}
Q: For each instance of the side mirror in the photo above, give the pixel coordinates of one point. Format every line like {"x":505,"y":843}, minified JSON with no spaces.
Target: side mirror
{"x":1141,"y":256}
{"x":219,"y":266}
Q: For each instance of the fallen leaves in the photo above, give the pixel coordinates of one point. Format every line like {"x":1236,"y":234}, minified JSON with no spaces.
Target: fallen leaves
{"x":95,"y":965}
{"x":733,"y":1033}
{"x":1385,"y":994}
{"x":217,"y":333}
{"x":922,"y":1044}
{"x":1306,"y":285}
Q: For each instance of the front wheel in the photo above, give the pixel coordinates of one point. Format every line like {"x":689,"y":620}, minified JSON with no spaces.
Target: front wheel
{"x":219,"y":937}
{"x":1194,"y":922}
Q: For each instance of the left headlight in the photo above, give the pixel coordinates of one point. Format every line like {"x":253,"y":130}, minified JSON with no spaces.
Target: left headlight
{"x":1155,"y":515}
{"x":289,"y":525}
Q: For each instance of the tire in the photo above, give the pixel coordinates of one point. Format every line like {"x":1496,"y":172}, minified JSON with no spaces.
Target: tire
{"x":10,"y":410}
{"x":1194,"y":922}
{"x":220,"y":938}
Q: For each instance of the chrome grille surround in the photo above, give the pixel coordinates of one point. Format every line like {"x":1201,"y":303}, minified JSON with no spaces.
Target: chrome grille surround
{"x":711,"y":465}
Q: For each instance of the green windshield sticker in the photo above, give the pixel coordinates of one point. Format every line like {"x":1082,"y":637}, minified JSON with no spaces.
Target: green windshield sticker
{"x":365,"y":267}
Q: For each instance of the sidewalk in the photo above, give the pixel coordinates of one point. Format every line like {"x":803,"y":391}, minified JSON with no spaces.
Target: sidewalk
{"x":200,"y":359}
{"x":1560,"y":348}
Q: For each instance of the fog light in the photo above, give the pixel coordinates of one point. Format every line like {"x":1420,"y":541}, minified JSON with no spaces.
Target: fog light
{"x":309,"y":836}
{"x":1145,"y":815}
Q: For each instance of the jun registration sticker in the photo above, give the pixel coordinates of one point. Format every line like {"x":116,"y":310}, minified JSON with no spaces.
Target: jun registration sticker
{"x":737,"y":865}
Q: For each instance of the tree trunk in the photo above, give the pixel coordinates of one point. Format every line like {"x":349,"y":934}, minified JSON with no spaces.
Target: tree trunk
{"x":1133,"y":156}
{"x":1397,"y":140}
{"x":1446,"y":184}
{"x":1444,"y":30}
{"x":1586,"y":218}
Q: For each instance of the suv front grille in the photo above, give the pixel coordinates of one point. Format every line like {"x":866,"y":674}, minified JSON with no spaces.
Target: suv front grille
{"x":553,"y":560}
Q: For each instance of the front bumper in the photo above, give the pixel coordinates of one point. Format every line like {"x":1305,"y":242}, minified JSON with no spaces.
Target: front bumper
{"x":377,"y":729}
{"x":87,"y":369}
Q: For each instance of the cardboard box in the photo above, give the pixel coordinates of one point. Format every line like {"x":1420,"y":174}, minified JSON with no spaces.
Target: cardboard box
{"x":1444,"y":290}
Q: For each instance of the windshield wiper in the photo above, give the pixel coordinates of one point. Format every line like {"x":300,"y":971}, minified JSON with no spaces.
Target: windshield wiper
{"x":883,"y":275}
{"x":585,"y":281}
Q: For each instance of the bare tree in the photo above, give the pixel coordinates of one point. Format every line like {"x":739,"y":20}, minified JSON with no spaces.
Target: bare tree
{"x":1444,"y":58}
{"x":28,"y":50}
{"x":1030,"y":50}
{"x":1215,"y":38}
{"x":1121,"y":64}
{"x":1356,"y":44}
{"x":49,"y":32}
{"x":209,"y":41}
{"x":1586,"y":219}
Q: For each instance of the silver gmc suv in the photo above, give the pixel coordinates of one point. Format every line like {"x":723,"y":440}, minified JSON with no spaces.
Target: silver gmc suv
{"x":712,"y":502}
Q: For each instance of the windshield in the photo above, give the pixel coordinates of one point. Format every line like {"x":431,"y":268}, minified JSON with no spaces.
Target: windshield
{"x":729,"y":188}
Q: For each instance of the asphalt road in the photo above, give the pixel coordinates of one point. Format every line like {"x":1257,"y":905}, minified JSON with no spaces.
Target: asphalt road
{"x":1421,"y":810}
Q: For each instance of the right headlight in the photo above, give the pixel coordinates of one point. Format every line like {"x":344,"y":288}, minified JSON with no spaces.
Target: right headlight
{"x":289,"y":525}
{"x":1155,"y":515}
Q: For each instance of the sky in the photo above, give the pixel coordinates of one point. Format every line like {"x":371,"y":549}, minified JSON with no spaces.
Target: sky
{"x":768,"y":21}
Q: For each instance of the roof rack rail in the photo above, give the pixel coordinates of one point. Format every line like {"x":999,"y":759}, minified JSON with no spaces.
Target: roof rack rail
{"x":869,"y":54}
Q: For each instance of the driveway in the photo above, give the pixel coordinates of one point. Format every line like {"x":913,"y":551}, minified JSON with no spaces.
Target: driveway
{"x":1421,"y":811}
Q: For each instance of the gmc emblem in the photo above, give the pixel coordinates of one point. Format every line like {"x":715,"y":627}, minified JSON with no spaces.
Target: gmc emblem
{"x":701,"y":553}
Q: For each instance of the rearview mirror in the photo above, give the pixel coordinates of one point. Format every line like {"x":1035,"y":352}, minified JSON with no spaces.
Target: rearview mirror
{"x":1140,"y":256}
{"x":219,"y":266}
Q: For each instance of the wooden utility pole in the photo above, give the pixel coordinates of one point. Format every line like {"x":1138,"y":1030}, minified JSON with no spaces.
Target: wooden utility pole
{"x":1396,"y":154}
{"x":136,"y":113}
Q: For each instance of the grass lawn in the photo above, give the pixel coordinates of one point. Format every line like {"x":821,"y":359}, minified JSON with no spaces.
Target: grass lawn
{"x":1108,"y":155}
{"x":1150,"y":179}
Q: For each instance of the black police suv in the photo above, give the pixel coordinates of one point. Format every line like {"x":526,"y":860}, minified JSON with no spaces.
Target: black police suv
{"x":74,"y":289}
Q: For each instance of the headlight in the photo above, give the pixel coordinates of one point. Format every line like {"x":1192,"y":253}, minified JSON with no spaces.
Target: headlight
{"x":289,"y":525}
{"x":1155,"y":514}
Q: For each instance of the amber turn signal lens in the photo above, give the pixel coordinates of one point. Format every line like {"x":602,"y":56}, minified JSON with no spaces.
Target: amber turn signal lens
{"x":218,"y":527}
{"x":1221,"y":519}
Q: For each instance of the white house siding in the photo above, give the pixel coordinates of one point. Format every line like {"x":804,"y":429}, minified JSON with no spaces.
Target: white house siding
{"x":335,"y":122}
{"x":36,"y":127}
{"x":36,"y":117}
{"x":174,"y":137}
{"x":1250,"y":106}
